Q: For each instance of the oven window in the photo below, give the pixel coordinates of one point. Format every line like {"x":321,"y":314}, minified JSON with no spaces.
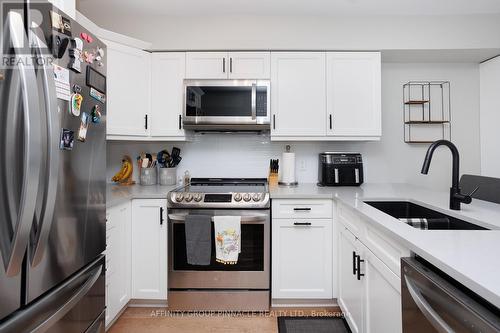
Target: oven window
{"x":251,"y":257}
{"x":219,"y":101}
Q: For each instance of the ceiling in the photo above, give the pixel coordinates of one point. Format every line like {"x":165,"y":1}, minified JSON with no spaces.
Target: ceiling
{"x":100,"y":8}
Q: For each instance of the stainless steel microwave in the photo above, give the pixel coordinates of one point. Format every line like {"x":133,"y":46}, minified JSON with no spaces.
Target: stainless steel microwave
{"x":227,"y":105}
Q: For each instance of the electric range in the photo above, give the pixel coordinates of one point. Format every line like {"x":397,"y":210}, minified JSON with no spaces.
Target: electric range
{"x":244,"y":286}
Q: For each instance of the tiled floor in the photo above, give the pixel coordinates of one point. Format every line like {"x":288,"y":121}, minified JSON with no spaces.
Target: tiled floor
{"x":152,"y":320}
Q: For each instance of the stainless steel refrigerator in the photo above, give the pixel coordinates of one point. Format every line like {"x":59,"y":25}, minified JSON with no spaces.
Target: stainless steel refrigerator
{"x":52,"y":172}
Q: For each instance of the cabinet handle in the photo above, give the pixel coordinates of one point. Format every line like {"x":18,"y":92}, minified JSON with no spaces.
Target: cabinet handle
{"x":146,"y":122}
{"x":358,"y":263}
{"x":161,"y":215}
{"x":230,"y":65}
{"x":180,"y":121}
{"x":306,"y":209}
{"x":274,"y":121}
{"x":223,"y":65}
{"x":331,"y":121}
{"x":302,"y":223}
{"x":354,"y":262}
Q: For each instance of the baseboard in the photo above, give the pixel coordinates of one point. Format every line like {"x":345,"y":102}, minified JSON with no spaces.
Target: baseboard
{"x":303,"y":303}
{"x":147,"y":303}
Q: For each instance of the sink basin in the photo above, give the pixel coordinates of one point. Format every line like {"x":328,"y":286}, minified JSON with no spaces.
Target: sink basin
{"x":436,"y":220}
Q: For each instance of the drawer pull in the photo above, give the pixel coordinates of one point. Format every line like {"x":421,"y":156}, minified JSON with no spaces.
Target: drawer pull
{"x":305,"y":209}
{"x":302,"y":223}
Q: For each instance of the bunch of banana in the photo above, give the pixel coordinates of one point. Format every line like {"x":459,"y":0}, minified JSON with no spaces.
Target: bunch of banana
{"x":125,"y":173}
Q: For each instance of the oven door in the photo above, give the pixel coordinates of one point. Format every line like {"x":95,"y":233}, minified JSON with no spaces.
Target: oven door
{"x":252,"y":269}
{"x":219,"y":104}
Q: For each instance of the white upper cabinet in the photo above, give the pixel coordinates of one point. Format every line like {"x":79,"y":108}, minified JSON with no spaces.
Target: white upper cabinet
{"x":249,"y":65}
{"x":298,"y":94}
{"x":67,"y":6}
{"x":228,"y":65}
{"x":207,"y":65}
{"x":128,"y":90}
{"x":168,"y":71}
{"x":353,"y":94}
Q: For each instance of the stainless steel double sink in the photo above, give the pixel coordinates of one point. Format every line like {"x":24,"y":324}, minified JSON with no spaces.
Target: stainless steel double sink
{"x":410,"y":210}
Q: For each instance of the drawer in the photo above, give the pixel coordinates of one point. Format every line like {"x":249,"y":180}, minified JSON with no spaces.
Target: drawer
{"x":351,"y":220}
{"x":302,"y":209}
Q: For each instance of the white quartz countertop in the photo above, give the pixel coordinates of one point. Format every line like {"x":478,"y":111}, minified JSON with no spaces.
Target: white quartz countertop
{"x":471,"y":257}
{"x":118,"y":194}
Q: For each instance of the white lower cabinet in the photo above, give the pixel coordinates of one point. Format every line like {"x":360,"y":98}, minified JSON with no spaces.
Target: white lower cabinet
{"x":350,"y":295}
{"x":302,"y":255}
{"x":369,"y":292}
{"x":149,"y":249}
{"x":382,"y":296}
{"x":118,"y":253}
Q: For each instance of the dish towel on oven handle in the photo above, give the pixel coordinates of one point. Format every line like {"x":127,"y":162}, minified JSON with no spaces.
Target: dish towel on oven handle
{"x":227,"y":239}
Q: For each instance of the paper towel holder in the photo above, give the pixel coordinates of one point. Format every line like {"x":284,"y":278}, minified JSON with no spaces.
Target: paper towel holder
{"x":288,"y":184}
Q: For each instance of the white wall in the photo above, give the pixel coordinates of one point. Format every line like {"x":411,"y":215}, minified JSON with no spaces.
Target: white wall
{"x":307,"y":32}
{"x":390,"y":160}
{"x":490,"y":118}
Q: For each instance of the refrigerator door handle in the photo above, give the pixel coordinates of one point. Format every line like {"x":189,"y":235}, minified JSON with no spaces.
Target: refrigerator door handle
{"x":40,"y":239}
{"x":13,"y":249}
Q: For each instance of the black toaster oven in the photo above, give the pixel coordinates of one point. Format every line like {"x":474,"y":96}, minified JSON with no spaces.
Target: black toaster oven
{"x":340,"y":169}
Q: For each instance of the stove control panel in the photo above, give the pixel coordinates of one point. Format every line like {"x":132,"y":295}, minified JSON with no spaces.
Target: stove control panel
{"x":217,"y":199}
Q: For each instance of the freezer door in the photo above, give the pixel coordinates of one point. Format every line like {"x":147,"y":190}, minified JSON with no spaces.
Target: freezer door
{"x":20,"y":155}
{"x":74,"y":306}
{"x":75,"y":235}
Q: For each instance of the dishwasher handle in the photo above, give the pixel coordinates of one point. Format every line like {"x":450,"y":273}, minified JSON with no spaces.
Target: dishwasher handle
{"x":434,"y":318}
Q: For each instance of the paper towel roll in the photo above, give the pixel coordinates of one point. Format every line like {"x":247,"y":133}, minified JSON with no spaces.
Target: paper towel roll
{"x":288,"y":168}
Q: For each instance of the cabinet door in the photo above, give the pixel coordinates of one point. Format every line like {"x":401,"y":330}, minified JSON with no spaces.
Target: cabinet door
{"x":149,"y":249}
{"x":118,"y":259}
{"x":249,"y":65}
{"x":123,"y":271}
{"x":207,"y":65}
{"x":302,"y":258}
{"x":298,"y":93}
{"x":128,"y":90}
{"x":382,"y":296}
{"x":353,"y":93}
{"x":351,"y":291}
{"x":67,"y":6}
{"x":168,"y":72}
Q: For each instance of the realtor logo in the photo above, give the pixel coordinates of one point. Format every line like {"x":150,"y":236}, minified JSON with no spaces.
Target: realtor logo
{"x":23,"y":34}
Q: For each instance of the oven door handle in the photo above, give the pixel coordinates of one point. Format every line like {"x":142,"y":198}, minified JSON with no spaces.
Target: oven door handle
{"x":244,"y":218}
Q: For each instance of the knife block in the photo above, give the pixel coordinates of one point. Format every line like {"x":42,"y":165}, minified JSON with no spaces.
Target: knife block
{"x":273,"y":179}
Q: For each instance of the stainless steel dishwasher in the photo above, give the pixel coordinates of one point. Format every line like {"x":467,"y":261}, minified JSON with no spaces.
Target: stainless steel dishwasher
{"x":433,"y":302}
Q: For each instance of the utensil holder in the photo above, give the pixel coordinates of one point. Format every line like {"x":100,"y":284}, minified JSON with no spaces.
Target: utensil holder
{"x":168,"y":176}
{"x":149,"y":176}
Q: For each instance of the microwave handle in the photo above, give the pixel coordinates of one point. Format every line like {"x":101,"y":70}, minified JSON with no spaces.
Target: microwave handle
{"x":254,"y":101}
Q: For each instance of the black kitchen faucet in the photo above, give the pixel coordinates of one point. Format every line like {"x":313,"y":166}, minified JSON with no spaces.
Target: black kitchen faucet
{"x":456,"y":198}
